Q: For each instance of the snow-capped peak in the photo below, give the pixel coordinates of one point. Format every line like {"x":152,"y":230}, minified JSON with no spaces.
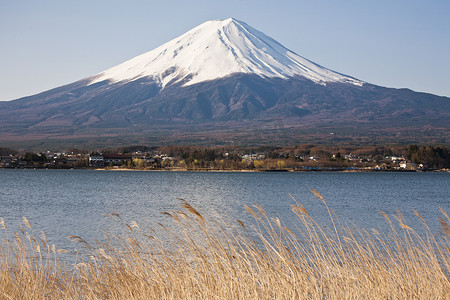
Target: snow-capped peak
{"x":216,"y":49}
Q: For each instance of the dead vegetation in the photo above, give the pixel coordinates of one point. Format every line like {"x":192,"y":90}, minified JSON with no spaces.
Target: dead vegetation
{"x":204,"y":257}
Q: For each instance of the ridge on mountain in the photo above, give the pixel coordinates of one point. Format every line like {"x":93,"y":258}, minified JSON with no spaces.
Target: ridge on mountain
{"x":216,"y":49}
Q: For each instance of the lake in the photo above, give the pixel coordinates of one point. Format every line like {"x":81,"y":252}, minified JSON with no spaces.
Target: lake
{"x":74,"y":202}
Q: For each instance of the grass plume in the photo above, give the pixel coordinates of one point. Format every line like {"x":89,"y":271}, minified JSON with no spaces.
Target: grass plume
{"x":207,"y":258}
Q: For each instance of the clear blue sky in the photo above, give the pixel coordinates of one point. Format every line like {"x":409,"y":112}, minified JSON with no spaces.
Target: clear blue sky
{"x":401,"y":43}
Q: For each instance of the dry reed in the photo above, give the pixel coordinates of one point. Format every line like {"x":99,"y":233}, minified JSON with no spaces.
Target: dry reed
{"x":207,"y":258}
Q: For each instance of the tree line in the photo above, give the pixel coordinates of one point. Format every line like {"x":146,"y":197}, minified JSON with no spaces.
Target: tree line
{"x":433,"y":157}
{"x":263,"y":157}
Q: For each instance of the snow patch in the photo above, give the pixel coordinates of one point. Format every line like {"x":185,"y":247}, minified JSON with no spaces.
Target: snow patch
{"x":216,"y":49}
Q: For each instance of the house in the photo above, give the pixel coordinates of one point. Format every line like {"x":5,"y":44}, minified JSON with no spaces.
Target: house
{"x":396,"y":158}
{"x":410,"y":166}
{"x":115,"y":158}
{"x":96,"y":160}
{"x":5,"y":161}
{"x":252,"y":156}
{"x":350,"y":157}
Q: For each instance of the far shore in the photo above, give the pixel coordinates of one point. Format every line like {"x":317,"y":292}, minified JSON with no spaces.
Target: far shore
{"x":265,"y":170}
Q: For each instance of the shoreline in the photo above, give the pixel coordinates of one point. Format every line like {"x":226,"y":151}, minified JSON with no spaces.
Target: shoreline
{"x":301,"y":170}
{"x":269,"y":171}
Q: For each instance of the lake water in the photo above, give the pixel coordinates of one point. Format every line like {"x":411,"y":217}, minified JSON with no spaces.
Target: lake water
{"x":74,"y":202}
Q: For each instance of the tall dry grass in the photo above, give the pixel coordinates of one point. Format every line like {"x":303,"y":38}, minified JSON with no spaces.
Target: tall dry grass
{"x":208,"y":258}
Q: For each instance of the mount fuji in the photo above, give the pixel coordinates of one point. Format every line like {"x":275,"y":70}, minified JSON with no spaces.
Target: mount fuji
{"x":224,"y":82}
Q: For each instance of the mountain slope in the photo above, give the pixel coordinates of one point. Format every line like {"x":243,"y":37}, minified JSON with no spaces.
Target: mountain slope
{"x":225,"y":81}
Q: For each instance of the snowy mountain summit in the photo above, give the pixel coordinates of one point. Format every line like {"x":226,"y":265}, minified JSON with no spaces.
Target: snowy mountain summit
{"x":216,"y":49}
